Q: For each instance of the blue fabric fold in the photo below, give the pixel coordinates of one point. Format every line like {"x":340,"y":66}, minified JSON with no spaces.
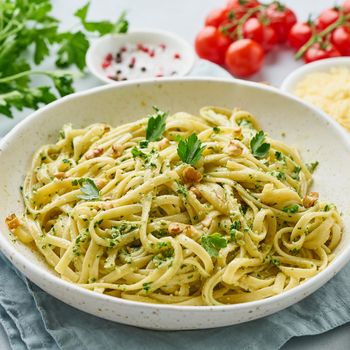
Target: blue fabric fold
{"x":35,"y":320}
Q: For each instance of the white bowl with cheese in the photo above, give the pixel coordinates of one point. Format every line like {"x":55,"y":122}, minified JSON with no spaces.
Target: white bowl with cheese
{"x":281,"y":115}
{"x":326,"y":85}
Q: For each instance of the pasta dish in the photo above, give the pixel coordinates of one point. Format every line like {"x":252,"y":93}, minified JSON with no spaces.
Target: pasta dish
{"x":177,"y":209}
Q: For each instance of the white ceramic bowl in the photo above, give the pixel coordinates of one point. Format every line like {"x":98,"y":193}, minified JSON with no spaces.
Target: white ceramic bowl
{"x":113,"y":42}
{"x":315,"y":135}
{"x":289,"y":84}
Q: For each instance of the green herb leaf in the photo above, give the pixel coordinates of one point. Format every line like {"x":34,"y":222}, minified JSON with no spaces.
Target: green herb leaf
{"x":156,"y":125}
{"x":73,"y":50}
{"x":88,"y":188}
{"x":213,"y":243}
{"x":258,"y":145}
{"x":295,"y":173}
{"x":235,"y":226}
{"x":190,"y":150}
{"x":312,"y":166}
{"x":291,"y":209}
{"x":102,"y":27}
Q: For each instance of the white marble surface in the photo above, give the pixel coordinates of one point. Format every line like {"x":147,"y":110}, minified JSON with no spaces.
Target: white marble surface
{"x":185,"y":17}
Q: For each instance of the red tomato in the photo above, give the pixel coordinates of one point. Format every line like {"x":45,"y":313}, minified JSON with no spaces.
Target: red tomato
{"x":346,"y":6}
{"x":253,"y":29}
{"x":326,"y":18}
{"x":244,"y":57}
{"x":340,"y":38}
{"x":299,"y":35}
{"x":247,"y":4}
{"x":211,"y":44}
{"x":217,"y":17}
{"x":316,"y":52}
{"x":269,"y":38}
{"x":282,"y":19}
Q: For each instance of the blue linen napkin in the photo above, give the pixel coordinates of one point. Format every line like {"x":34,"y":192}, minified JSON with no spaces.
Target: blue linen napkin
{"x":35,"y":320}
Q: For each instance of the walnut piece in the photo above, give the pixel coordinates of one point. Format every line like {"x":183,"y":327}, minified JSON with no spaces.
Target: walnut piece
{"x":174,"y":228}
{"x":117,"y":150}
{"x":234,"y":148}
{"x":191,"y":175}
{"x":310,"y":199}
{"x":93,"y":153}
{"x":12,"y":222}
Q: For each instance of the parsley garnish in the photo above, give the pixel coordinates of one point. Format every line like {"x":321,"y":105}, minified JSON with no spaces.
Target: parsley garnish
{"x":138,"y":153}
{"x":213,"y":243}
{"x":216,"y":129}
{"x":88,"y":188}
{"x":147,"y":286}
{"x":273,"y":261}
{"x":258,"y":145}
{"x":156,"y":125}
{"x":190,"y":150}
{"x":279,"y":174}
{"x":291,"y":209}
{"x":236,"y":225}
{"x":279,"y":156}
{"x":312,"y":166}
{"x":295,"y":174}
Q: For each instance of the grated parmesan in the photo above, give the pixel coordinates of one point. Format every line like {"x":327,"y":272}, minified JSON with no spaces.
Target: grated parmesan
{"x":329,"y":91}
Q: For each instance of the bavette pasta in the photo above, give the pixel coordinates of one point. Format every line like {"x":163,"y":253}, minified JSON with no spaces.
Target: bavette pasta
{"x":177,"y":209}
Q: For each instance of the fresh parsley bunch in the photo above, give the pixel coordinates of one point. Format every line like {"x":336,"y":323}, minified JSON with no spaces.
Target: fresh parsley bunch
{"x":29,"y":34}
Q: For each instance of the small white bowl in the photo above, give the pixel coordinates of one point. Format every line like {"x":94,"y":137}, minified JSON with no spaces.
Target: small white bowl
{"x":290,"y":83}
{"x":113,"y":42}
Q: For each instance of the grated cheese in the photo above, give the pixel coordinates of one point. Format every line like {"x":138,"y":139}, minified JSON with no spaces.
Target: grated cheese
{"x":329,"y":91}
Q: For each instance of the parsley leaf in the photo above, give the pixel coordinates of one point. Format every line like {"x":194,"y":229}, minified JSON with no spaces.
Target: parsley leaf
{"x":213,"y":243}
{"x":312,"y":166}
{"x":190,"y":150}
{"x":156,"y":125}
{"x":88,"y":188}
{"x":73,"y":50}
{"x":295,"y":173}
{"x":258,"y":145}
{"x":102,"y":27}
{"x":236,"y":225}
{"x":291,"y":209}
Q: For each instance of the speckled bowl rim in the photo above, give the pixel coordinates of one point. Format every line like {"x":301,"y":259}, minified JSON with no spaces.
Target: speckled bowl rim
{"x":330,"y":271}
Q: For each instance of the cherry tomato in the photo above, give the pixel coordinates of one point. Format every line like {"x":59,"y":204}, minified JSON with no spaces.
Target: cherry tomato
{"x":239,"y":4}
{"x":253,"y":29}
{"x":281,"y":19}
{"x":269,"y":38}
{"x":346,"y":6}
{"x":316,"y":52}
{"x":340,"y":38}
{"x":299,"y":35}
{"x":244,"y":57}
{"x":240,"y":7}
{"x":326,"y":18}
{"x":216,"y":17}
{"x":211,"y":44}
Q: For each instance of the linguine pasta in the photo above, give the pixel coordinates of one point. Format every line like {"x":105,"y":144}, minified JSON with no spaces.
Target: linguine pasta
{"x":183,"y":209}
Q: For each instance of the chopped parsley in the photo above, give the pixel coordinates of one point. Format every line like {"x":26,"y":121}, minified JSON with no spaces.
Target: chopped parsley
{"x":273,"y":261}
{"x":279,"y":174}
{"x":258,"y":145}
{"x":235,"y":226}
{"x":147,"y":286}
{"x":216,"y":129}
{"x":279,"y":156}
{"x":144,"y":143}
{"x":312,"y":166}
{"x":190,"y":150}
{"x":213,"y":243}
{"x":88,"y":188}
{"x":295,"y":173}
{"x":291,"y":209}
{"x":156,"y":125}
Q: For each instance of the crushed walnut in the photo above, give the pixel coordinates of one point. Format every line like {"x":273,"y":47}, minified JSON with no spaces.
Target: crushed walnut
{"x":93,"y":153}
{"x":234,"y":148}
{"x":310,"y":199}
{"x":191,"y":175}
{"x":12,"y":222}
{"x":174,"y":228}
{"x":117,"y":150}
